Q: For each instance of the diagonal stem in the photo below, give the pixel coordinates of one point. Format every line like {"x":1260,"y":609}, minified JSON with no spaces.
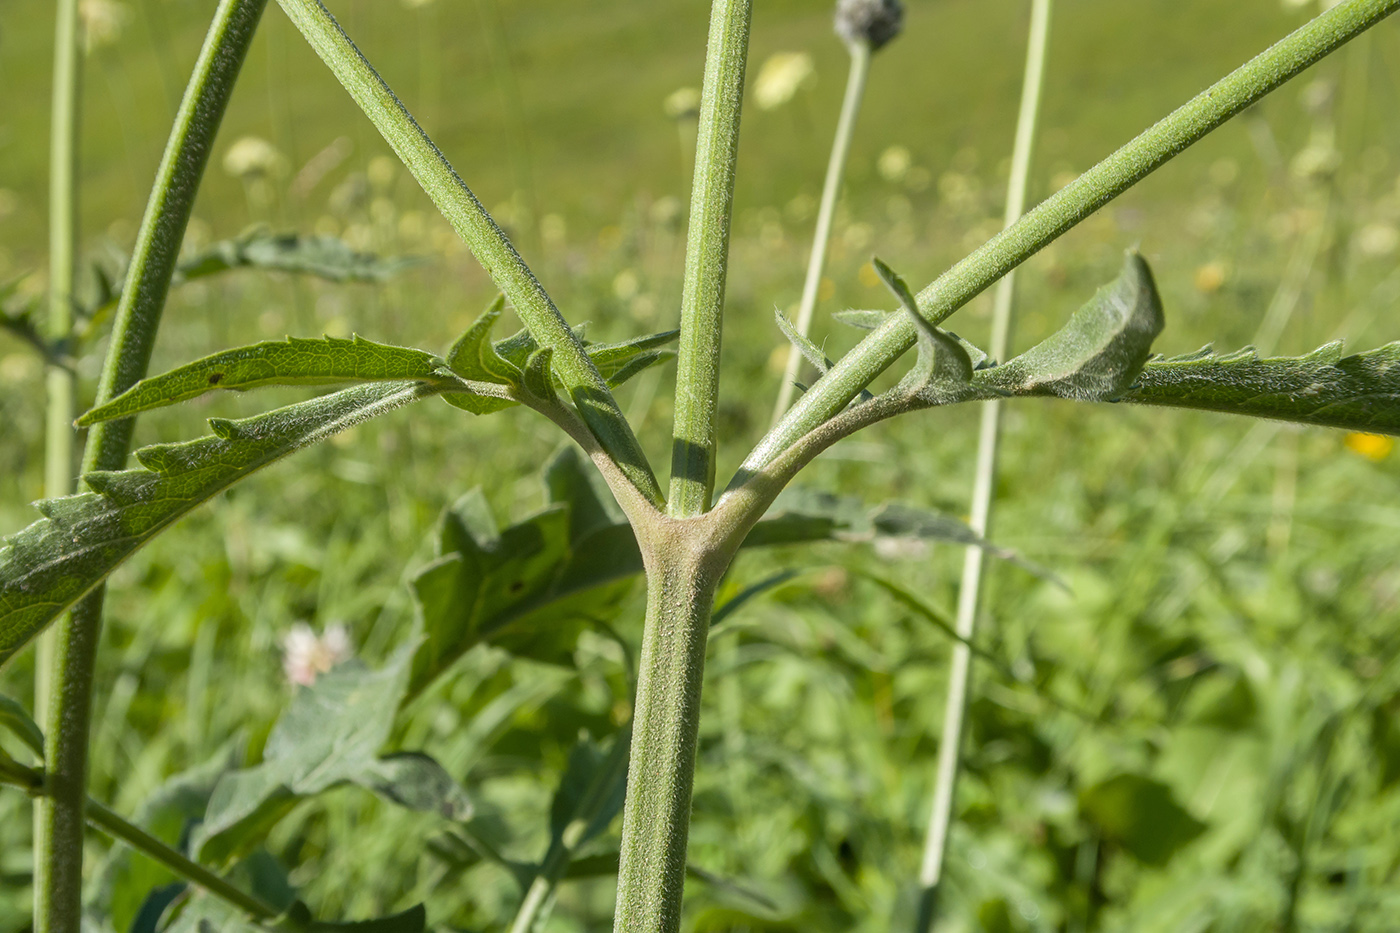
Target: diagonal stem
{"x":831,"y":192}
{"x":1061,"y":212}
{"x":480,"y":232}
{"x":707,"y":260}
{"x":969,"y":591}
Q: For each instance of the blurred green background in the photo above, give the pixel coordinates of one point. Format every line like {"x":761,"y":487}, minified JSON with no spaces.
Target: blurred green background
{"x":1203,"y":730}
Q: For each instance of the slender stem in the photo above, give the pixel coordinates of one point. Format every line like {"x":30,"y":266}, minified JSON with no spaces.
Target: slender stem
{"x":831,"y":193}
{"x":707,"y":259}
{"x":604,"y":785}
{"x":58,"y":868}
{"x":480,"y":232}
{"x":31,"y":780}
{"x":666,"y":720}
{"x":1071,"y":205}
{"x":57,"y":883}
{"x":969,"y":591}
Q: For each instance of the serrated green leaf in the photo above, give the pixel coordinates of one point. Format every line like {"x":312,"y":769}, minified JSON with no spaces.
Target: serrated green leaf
{"x":329,"y":735}
{"x":943,"y":369}
{"x":1098,"y":354}
{"x":294,"y":361}
{"x":48,"y":566}
{"x":14,"y":720}
{"x":474,"y":357}
{"x":1357,"y":393}
{"x":614,"y":358}
{"x":809,"y":350}
{"x":324,"y":256}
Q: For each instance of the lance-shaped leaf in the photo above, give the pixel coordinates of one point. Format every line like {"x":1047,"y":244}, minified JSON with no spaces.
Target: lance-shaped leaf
{"x":1098,"y":354}
{"x":809,"y":350}
{"x":294,"y":361}
{"x":1358,"y":393}
{"x":474,"y":357}
{"x":48,"y":566}
{"x":324,"y":256}
{"x":330,"y":735}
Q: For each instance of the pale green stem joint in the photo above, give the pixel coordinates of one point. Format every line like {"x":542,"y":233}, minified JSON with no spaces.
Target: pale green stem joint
{"x":707,"y":259}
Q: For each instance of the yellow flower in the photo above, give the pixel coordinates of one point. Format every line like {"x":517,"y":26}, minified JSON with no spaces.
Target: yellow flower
{"x":1371,"y":446}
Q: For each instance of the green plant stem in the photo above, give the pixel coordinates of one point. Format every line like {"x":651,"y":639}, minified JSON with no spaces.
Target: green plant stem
{"x":707,"y":259}
{"x":1062,"y":211}
{"x":681,"y":581}
{"x":969,"y":591}
{"x":479,"y":231}
{"x":31,"y":780}
{"x":831,"y":193}
{"x":57,"y":884}
{"x":58,"y":867}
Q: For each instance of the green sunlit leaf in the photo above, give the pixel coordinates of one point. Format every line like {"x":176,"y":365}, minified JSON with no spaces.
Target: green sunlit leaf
{"x":48,"y":566}
{"x":1358,"y":393}
{"x":294,"y":361}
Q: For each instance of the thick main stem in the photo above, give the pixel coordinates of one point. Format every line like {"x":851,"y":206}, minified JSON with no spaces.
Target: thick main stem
{"x":665,"y":724}
{"x":58,"y":869}
{"x":1053,"y":217}
{"x":970,"y":589}
{"x":707,"y":259}
{"x":57,"y":882}
{"x":821,"y":238}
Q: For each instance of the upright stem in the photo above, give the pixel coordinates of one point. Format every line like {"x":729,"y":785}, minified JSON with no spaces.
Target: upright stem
{"x":1062,"y":211}
{"x":58,"y":868}
{"x":831,"y":193}
{"x":707,"y":259}
{"x":665,"y":724}
{"x":969,"y":592}
{"x":58,"y":884}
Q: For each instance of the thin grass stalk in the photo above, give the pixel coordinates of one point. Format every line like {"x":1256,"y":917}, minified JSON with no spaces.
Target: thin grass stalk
{"x":54,"y":884}
{"x":821,"y":238}
{"x":58,"y":869}
{"x":989,"y":434}
{"x":1061,"y":212}
{"x":707,"y":259}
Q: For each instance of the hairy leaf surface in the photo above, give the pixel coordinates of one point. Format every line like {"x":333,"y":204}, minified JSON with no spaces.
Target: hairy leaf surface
{"x":48,"y":566}
{"x":294,"y":361}
{"x":1359,"y":393}
{"x":330,"y":735}
{"x":1098,"y":354}
{"x":325,"y":256}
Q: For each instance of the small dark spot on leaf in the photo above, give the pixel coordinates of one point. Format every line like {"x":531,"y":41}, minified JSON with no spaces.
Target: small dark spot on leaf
{"x":215,"y":378}
{"x":517,"y":586}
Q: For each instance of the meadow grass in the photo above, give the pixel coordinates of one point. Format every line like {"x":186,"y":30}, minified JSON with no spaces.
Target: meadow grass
{"x":1232,"y":593}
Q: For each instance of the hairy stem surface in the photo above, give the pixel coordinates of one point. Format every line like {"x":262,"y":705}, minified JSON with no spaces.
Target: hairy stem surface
{"x":665,"y":724}
{"x":831,"y":193}
{"x":969,"y":591}
{"x":480,"y":232}
{"x":57,"y":882}
{"x":58,"y":869}
{"x":1064,"y":210}
{"x":707,"y":259}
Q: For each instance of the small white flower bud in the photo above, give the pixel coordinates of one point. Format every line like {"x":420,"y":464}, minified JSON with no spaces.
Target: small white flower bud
{"x":875,"y":22}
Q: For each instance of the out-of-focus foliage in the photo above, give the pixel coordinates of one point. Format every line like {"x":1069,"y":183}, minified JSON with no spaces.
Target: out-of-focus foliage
{"x":1197,"y":731}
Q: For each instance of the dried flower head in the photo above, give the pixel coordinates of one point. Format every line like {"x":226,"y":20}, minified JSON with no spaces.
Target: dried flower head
{"x":874,"y":22}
